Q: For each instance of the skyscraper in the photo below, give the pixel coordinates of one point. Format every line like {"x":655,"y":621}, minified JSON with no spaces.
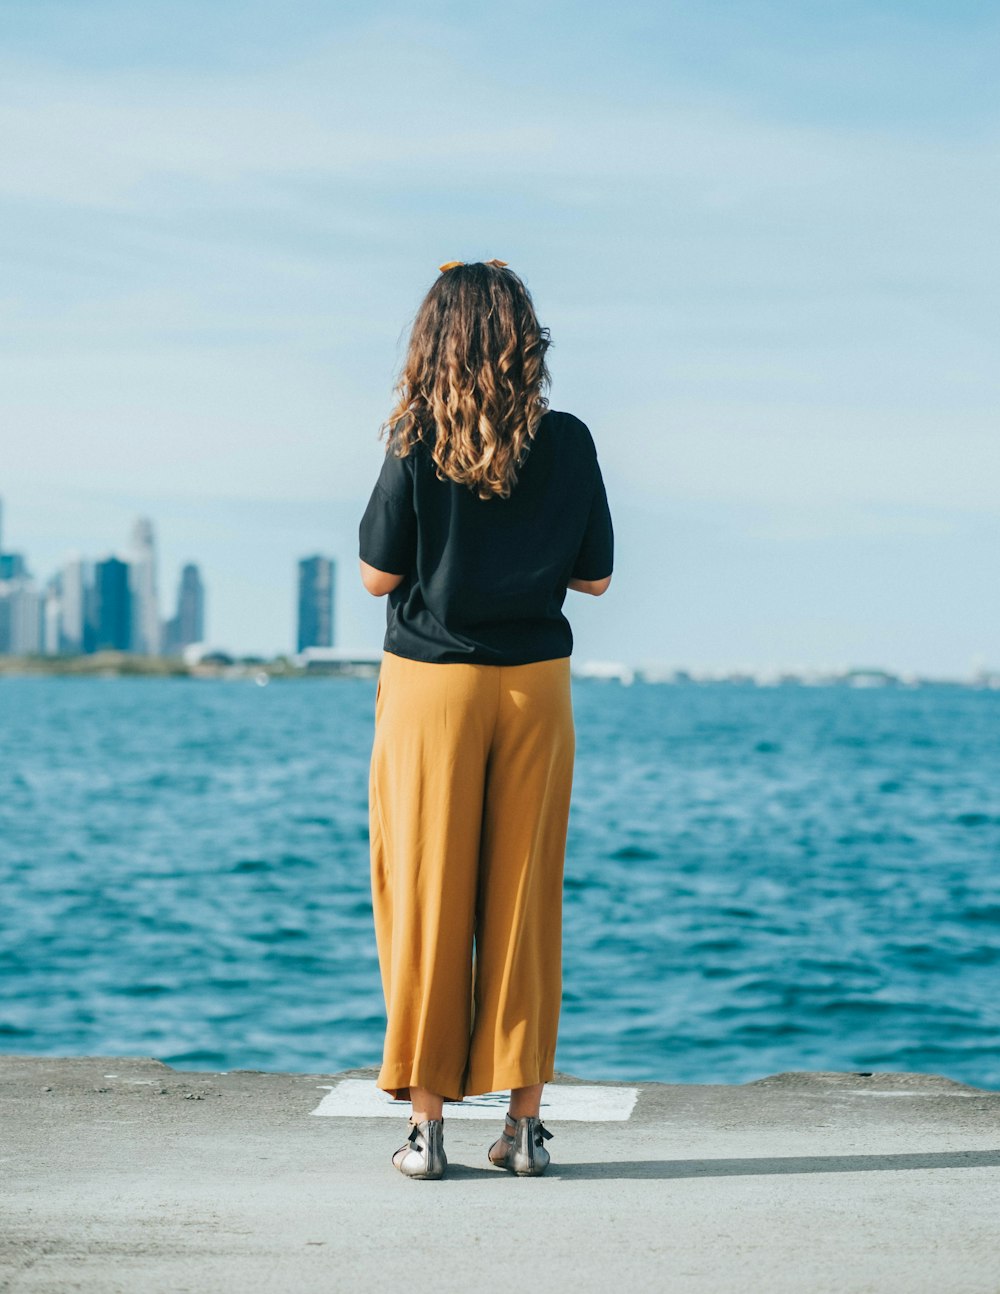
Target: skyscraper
{"x":20,"y":617}
{"x":112,"y":605}
{"x":145,"y":631}
{"x":52,"y":616}
{"x":73,"y":581}
{"x":12,"y":565}
{"x":188,"y":624}
{"x":316,"y":583}
{"x":21,"y":614}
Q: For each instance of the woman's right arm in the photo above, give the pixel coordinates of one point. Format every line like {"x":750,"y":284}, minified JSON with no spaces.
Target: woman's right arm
{"x":596,"y":587}
{"x":379,"y":583}
{"x":388,"y":531}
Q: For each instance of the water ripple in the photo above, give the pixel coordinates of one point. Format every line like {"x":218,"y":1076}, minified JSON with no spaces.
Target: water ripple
{"x":756,"y":880}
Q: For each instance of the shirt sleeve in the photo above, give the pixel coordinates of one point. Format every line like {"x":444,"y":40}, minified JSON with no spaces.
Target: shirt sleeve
{"x":595,"y":559}
{"x":388,"y":531}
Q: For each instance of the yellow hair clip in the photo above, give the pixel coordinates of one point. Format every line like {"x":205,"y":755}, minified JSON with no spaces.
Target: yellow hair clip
{"x":450,"y":265}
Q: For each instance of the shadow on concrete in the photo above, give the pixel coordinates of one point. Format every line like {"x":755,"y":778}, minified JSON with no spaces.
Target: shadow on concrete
{"x":665,"y":1168}
{"x":662,"y":1169}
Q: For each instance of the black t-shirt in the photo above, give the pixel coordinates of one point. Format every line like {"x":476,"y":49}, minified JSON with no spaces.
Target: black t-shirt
{"x":486,"y":578}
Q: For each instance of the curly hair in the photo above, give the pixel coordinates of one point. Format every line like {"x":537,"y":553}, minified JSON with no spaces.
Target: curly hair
{"x":472,"y":387}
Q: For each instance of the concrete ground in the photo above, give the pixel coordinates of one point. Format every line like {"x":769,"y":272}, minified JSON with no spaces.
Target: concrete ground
{"x":126,"y":1175}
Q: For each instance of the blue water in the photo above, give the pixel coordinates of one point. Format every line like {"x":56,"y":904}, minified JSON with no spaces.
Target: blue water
{"x":757,"y":880}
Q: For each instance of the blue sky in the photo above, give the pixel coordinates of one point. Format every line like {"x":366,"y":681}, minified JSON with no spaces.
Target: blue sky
{"x":763,"y":236}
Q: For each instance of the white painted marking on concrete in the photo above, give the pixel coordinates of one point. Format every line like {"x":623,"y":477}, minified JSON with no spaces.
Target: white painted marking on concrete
{"x":359,"y":1098}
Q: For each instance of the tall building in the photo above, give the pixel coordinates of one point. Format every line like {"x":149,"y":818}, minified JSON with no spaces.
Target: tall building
{"x":316,"y":586}
{"x":188,"y":624}
{"x":145,"y":631}
{"x":73,"y":617}
{"x":12,"y":565}
{"x":21,"y":606}
{"x":90,"y":611}
{"x":112,"y":605}
{"x":191,"y":606}
{"x":52,"y":616}
{"x":21,"y":617}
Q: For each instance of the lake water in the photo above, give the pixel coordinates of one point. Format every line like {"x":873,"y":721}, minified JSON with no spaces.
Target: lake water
{"x":757,"y":879}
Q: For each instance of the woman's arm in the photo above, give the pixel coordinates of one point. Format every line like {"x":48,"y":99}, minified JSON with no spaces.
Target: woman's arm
{"x":596,"y":587}
{"x":379,"y":583}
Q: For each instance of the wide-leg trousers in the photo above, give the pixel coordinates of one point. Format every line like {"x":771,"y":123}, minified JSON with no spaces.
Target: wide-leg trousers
{"x":469,"y":796}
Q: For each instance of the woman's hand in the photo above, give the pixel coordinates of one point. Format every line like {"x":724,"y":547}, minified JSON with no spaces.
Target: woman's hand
{"x":379,"y":583}
{"x":595,"y":587}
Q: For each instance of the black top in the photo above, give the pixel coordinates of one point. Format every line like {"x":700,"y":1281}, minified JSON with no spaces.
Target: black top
{"x":486,"y":578}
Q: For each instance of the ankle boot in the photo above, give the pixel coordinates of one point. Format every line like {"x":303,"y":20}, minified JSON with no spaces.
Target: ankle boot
{"x":422,"y":1155}
{"x":522,"y":1150}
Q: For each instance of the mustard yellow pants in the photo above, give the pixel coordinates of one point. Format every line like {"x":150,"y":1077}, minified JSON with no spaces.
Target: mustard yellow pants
{"x":471,"y":773}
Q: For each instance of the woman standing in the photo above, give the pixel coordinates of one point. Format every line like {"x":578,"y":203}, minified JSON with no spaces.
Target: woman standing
{"x":488,"y":507}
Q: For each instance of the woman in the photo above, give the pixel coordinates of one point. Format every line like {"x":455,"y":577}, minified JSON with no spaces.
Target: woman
{"x":487,"y":508}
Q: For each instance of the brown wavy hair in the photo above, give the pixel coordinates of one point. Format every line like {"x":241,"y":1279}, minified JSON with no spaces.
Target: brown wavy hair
{"x":472,"y":387}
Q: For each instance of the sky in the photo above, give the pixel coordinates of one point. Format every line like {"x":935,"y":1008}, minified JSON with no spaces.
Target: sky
{"x":762,"y":235}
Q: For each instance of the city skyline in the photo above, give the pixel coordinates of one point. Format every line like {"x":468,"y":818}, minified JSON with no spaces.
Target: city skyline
{"x":111,"y":602}
{"x":316,"y":611}
{"x":87,"y":605}
{"x":760,"y":235}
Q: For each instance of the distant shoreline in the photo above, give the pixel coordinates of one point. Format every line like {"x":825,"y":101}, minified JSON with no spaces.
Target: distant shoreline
{"x":116,"y":664}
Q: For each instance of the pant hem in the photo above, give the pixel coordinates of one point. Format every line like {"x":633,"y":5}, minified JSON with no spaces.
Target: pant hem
{"x":504,"y":1079}
{"x":398,"y":1079}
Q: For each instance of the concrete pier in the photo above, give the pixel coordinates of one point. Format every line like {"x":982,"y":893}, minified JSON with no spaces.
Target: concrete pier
{"x":122,"y":1174}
